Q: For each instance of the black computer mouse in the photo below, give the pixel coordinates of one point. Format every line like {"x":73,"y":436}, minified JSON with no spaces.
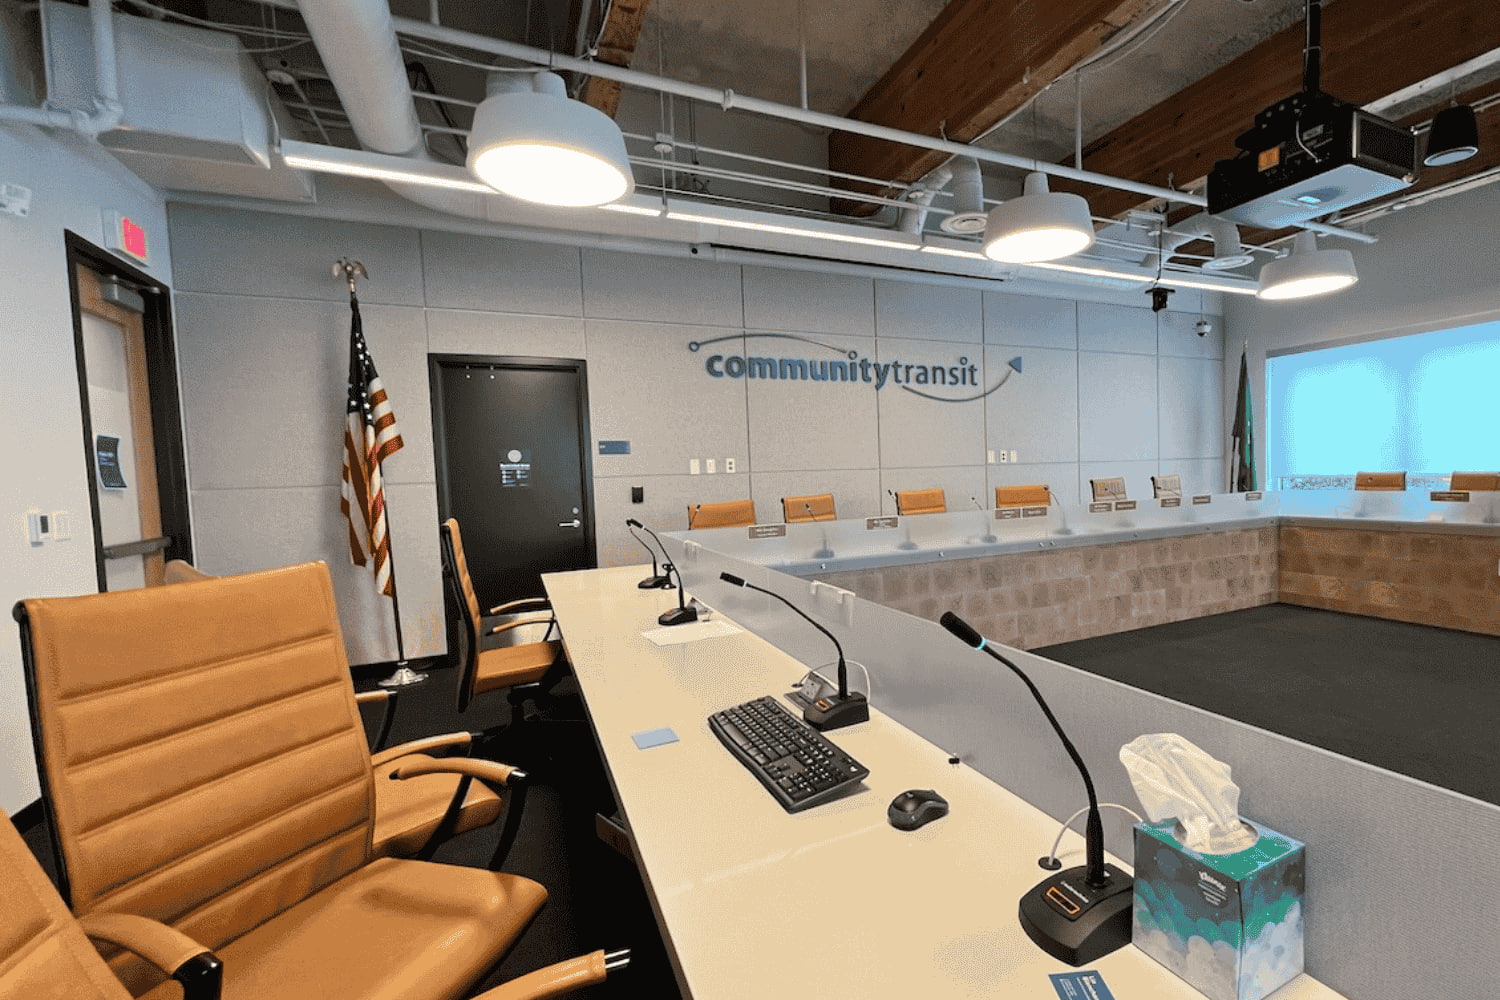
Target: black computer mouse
{"x":914,"y":809}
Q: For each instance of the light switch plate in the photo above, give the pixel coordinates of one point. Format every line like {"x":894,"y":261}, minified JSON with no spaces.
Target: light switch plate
{"x":711,"y":466}
{"x":1013,"y":456}
{"x":992,"y":457}
{"x":693,"y":467}
{"x":62,"y":526}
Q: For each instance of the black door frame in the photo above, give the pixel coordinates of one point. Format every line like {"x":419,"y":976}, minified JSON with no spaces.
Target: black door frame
{"x":166,"y":410}
{"x":435,"y":364}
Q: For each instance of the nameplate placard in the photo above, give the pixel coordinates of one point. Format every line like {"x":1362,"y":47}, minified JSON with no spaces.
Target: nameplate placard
{"x":1203,"y":498}
{"x":1007,"y":513}
{"x":766,"y":531}
{"x":1033,"y":511}
{"x":1101,"y":507}
{"x":1451,"y":496}
{"x":1254,"y":495}
{"x":1124,"y":505}
{"x":1171,"y":501}
{"x":881,"y":523}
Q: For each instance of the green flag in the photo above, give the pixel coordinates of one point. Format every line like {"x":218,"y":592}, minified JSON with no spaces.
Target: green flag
{"x":1242,"y":437}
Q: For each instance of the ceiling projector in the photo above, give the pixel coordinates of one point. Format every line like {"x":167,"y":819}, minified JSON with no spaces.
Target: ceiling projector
{"x":1310,"y":155}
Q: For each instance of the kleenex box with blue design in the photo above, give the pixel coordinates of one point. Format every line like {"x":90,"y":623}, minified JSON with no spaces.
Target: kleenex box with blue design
{"x":1229,"y":924}
{"x":1217,"y":900}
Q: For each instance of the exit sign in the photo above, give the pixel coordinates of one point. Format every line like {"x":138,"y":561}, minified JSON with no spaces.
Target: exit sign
{"x":124,"y":235}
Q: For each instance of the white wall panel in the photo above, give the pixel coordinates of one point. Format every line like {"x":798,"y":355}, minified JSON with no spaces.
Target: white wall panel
{"x":1116,"y":407}
{"x":483,"y":272}
{"x":665,"y":508}
{"x":1117,"y":329}
{"x":1035,"y":413}
{"x":1028,"y":321}
{"x":1189,"y":391}
{"x":811,"y":425}
{"x":916,"y":431}
{"x":1177,"y":335}
{"x":809,"y":302}
{"x":917,"y":311}
{"x":660,"y":289}
{"x":492,"y":333}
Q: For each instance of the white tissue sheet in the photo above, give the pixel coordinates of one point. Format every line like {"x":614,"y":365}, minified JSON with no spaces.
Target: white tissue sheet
{"x":1175,"y":779}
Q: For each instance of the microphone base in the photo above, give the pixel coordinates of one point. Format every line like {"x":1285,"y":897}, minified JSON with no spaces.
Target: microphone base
{"x":823,"y":554}
{"x":833,"y":712}
{"x":655,"y":583}
{"x":1077,"y":923}
{"x":678,"y":616}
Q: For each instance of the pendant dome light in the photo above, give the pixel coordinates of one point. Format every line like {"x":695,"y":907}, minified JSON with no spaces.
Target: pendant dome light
{"x":1454,"y":136}
{"x":533,"y":142}
{"x":1040,"y":225}
{"x":1306,"y":271}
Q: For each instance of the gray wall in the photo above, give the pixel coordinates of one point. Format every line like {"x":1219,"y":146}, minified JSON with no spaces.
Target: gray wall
{"x":1106,"y":389}
{"x":1433,"y":269}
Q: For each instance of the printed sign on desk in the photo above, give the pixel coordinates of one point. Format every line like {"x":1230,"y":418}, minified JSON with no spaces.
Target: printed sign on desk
{"x":1033,"y":511}
{"x":1202,"y":498}
{"x":881,"y":523}
{"x":1124,"y":505}
{"x":1171,"y":501}
{"x":1451,"y":496}
{"x":767,"y":531}
{"x":1086,"y":985}
{"x":1101,"y":507}
{"x":1006,"y":513}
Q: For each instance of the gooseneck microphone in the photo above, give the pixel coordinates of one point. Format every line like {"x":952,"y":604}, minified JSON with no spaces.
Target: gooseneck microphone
{"x":657,"y":580}
{"x":988,"y":536}
{"x":682,"y":614}
{"x":825,"y":551}
{"x":831,"y":711}
{"x":1079,"y":914}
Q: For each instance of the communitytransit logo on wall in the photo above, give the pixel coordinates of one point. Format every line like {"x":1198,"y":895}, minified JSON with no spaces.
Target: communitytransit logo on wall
{"x":955,"y":383}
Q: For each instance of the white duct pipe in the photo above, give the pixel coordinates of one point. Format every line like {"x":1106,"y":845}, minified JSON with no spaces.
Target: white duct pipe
{"x":968,"y":197}
{"x":107,"y":111}
{"x":357,"y":43}
{"x":920,"y":198}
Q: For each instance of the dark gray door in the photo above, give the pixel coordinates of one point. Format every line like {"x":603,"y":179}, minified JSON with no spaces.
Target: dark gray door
{"x":511,"y":438}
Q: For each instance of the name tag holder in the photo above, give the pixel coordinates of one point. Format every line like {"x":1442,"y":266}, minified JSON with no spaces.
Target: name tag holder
{"x":757,"y":532}
{"x":882,"y":523}
{"x":1450,"y":496}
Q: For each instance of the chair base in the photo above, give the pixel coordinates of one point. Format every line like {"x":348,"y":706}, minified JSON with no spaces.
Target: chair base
{"x":403,"y":677}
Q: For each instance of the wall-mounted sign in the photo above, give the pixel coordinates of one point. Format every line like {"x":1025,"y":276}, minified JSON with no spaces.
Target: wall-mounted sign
{"x":1254,"y":495}
{"x":1200,"y":499}
{"x":1451,"y":496}
{"x":614,"y":447}
{"x":126,"y":236}
{"x":1171,"y":501}
{"x":1033,"y":511}
{"x":945,"y":383}
{"x":515,"y":468}
{"x":766,"y":531}
{"x":881,"y":523}
{"x":107,"y":456}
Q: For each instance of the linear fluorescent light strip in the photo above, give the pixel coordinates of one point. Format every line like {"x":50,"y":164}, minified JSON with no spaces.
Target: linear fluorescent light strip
{"x":764,"y":227}
{"x":377,"y":166}
{"x":1167,"y":277}
{"x":626,"y":209}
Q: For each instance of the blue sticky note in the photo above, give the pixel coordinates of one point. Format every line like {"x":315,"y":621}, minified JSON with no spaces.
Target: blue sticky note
{"x":1086,"y":985}
{"x":654,"y":738}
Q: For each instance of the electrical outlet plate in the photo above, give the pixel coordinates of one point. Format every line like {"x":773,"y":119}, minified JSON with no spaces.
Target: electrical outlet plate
{"x":1004,"y":456}
{"x":728,"y":465}
{"x":693,"y":467}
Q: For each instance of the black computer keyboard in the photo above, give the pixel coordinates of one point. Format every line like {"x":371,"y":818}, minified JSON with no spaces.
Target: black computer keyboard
{"x":799,"y":766}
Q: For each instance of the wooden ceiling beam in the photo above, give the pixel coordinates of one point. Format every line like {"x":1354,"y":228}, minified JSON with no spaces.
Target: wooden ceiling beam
{"x":617,"y":41}
{"x":977,"y":62}
{"x":1371,"y":48}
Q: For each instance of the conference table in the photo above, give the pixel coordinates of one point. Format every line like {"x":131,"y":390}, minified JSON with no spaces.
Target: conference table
{"x":832,"y":902}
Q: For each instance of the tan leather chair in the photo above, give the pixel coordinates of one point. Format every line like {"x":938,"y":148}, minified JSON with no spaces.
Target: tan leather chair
{"x":931,"y":501}
{"x":413,"y":817}
{"x":204,"y":765}
{"x":1380,"y":481}
{"x":45,"y":951}
{"x":521,"y":667}
{"x":810,"y":508}
{"x":730,"y":514}
{"x":1477,"y":481}
{"x":1167,"y":487}
{"x":1112,"y":488}
{"x":1023,"y":496}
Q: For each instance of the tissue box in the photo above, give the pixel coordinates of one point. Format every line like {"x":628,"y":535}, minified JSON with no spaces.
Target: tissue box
{"x":1228,"y":924}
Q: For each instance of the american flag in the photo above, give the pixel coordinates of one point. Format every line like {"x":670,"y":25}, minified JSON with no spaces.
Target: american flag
{"x":370,"y":437}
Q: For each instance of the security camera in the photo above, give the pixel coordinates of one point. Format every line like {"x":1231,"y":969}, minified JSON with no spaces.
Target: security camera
{"x":1204,"y":327}
{"x":1159,"y":297}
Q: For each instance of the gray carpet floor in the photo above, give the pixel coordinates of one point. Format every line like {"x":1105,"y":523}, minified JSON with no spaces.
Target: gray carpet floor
{"x":1413,"y":699}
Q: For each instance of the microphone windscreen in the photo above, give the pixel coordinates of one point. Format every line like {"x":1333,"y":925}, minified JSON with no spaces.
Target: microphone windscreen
{"x":961,"y":629}
{"x":732,"y":579}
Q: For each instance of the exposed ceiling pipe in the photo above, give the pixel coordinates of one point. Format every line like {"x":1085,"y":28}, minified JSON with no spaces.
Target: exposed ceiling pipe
{"x":913,"y":219}
{"x":968,"y":197}
{"x":357,"y":43}
{"x":1229,"y":251}
{"x":107,"y":111}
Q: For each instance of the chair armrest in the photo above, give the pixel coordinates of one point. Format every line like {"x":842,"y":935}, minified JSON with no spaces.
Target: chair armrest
{"x":198,"y":970}
{"x":371,"y":697}
{"x":501,"y":609}
{"x":489,"y":772}
{"x":564,"y":977}
{"x":426,"y":744}
{"x":538,"y":620}
{"x":386,"y":698}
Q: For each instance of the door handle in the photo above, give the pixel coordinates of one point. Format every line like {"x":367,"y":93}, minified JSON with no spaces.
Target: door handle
{"x":575,"y":523}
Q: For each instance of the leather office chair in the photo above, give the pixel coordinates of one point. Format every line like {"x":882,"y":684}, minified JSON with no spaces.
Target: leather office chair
{"x":1112,"y":488}
{"x":730,"y":514}
{"x":1476,"y":481}
{"x":414,"y":817}
{"x":1380,"y":481}
{"x":1168,"y":487}
{"x":521,"y":668}
{"x":45,"y":951}
{"x":810,"y":508}
{"x":204,"y":765}
{"x":930,"y":501}
{"x":1023,"y":496}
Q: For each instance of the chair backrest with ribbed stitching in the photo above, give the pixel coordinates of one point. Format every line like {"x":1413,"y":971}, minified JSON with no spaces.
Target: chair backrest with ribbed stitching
{"x":468,"y":608}
{"x":43,"y":952}
{"x":818,"y":507}
{"x":928,"y":501}
{"x":728,"y":514}
{"x":1038,"y":495}
{"x":201,"y":749}
{"x":1478,"y":481}
{"x":1389,"y":481}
